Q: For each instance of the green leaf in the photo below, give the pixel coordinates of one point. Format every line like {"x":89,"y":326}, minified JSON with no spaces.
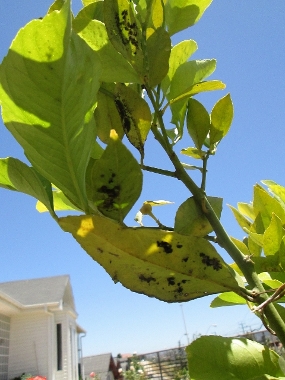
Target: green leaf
{"x":188,"y":74}
{"x":158,"y":47}
{"x":241,"y":246}
{"x":135,"y":115}
{"x":211,"y":85}
{"x":242,"y":220}
{"x":190,"y":220}
{"x":216,"y":358}
{"x":221,"y":119}
{"x":228,"y":299}
{"x":17,"y":176}
{"x":115,"y":180}
{"x":265,"y":204}
{"x":89,"y":26}
{"x":161,"y":264}
{"x":87,"y":2}
{"x":49,"y":82}
{"x":277,"y":190}
{"x":60,"y":202}
{"x":246,"y":209}
{"x":106,"y":113}
{"x":124,"y":33}
{"x":273,"y":236}
{"x":182,"y":85}
{"x":193,"y":152}
{"x":180,"y":53}
{"x":180,"y":14}
{"x":198,"y":122}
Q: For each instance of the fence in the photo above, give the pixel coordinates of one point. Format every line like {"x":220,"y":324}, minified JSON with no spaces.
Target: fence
{"x":163,"y":365}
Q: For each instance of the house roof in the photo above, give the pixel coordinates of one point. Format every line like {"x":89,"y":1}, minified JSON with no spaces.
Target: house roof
{"x":100,"y":364}
{"x":49,"y":290}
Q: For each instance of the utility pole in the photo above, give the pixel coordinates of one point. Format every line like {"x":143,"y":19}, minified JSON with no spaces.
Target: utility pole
{"x":186,"y":332}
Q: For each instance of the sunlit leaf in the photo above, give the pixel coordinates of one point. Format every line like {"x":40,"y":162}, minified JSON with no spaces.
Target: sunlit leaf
{"x":216,"y":358}
{"x":15,"y":175}
{"x":89,"y":26}
{"x":49,"y":82}
{"x":228,"y":299}
{"x":265,"y":204}
{"x":221,"y":119}
{"x":273,"y":236}
{"x":180,"y":53}
{"x":277,"y":190}
{"x":193,"y":152}
{"x":124,"y":32}
{"x":198,"y":122}
{"x":60,"y":202}
{"x":190,"y":220}
{"x":180,"y":14}
{"x":246,"y":209}
{"x":161,"y":264}
{"x":242,"y":220}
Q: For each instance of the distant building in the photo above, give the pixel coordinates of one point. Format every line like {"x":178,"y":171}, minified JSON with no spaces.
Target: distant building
{"x":38,"y":329}
{"x":103,"y":365}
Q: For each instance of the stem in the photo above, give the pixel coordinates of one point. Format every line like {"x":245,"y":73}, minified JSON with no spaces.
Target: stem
{"x":159,"y":171}
{"x":247,"y":266}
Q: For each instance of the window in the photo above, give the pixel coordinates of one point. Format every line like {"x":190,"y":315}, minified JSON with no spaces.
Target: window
{"x":59,"y":346}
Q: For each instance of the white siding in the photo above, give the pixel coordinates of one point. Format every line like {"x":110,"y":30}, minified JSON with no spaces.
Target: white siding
{"x":69,"y":348}
{"x":30,"y":344}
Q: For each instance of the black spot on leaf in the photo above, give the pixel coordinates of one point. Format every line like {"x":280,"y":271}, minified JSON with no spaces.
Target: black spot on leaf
{"x":147,"y":279}
{"x":171,"y":281}
{"x":211,"y":262}
{"x":167,"y":247}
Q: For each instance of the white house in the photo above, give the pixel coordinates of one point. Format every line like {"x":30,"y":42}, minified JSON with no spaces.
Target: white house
{"x":38,"y":330}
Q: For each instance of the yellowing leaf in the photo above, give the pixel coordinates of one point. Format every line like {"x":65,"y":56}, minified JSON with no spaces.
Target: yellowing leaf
{"x":161,"y":264}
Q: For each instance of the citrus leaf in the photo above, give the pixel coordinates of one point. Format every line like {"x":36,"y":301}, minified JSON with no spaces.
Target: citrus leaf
{"x":198,"y":122}
{"x":221,"y":119}
{"x":106,"y":114}
{"x":265,"y":204}
{"x":49,"y":82}
{"x":124,"y":32}
{"x":193,"y":152}
{"x":179,"y":54}
{"x":277,"y":190}
{"x":89,"y":26}
{"x":158,"y":47}
{"x":114,"y":181}
{"x":17,"y":176}
{"x":228,"y":299}
{"x":190,"y":220}
{"x":60,"y":203}
{"x":135,"y":115}
{"x":216,"y":358}
{"x":180,"y":14}
{"x":161,"y":264}
{"x":273,"y":236}
{"x":242,"y":220}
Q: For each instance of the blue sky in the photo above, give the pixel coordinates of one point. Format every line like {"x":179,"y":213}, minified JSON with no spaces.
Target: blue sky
{"x":247,"y":39}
